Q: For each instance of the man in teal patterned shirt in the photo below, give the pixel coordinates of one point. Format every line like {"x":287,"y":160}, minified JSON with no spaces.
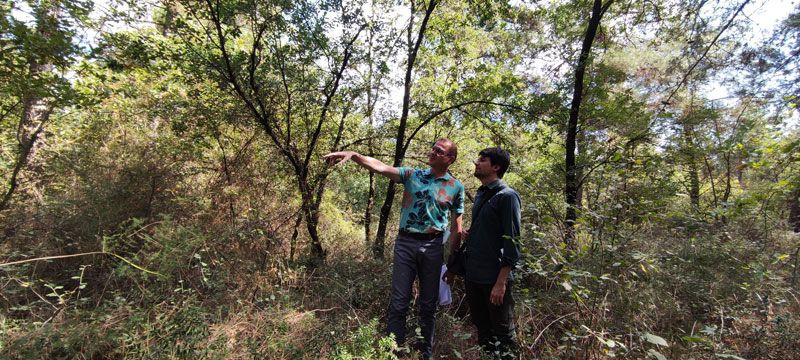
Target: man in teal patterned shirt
{"x":430,"y":196}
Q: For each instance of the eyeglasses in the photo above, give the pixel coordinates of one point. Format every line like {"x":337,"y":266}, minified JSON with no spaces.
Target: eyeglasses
{"x":439,"y":151}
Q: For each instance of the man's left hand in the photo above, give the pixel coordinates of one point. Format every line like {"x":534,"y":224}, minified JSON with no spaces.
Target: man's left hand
{"x":498,"y":292}
{"x":448,"y":277}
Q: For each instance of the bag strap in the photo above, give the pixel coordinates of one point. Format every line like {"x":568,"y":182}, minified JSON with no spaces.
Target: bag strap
{"x":488,"y":195}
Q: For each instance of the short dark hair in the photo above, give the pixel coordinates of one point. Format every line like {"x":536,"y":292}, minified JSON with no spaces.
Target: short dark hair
{"x":497,"y":157}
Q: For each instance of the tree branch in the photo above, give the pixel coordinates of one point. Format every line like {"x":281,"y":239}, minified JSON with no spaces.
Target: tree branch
{"x":703,"y":56}
{"x":453,"y":107}
{"x":329,"y":96}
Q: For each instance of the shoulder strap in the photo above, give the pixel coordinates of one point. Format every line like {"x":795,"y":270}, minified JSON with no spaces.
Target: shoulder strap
{"x":486,"y":197}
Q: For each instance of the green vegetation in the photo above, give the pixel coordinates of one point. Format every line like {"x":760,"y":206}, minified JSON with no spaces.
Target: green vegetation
{"x":164,"y":196}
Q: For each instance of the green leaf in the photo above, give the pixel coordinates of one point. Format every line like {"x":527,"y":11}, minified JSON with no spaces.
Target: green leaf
{"x":655,"y":339}
{"x":693,"y":339}
{"x":656,"y":354}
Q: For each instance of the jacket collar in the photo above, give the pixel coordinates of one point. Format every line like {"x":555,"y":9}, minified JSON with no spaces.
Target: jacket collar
{"x":492,"y":185}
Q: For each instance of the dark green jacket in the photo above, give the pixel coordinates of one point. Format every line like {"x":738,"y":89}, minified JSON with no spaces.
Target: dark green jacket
{"x":495,"y":227}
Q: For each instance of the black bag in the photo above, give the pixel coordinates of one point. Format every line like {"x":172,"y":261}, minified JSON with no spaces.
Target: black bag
{"x":456,"y":262}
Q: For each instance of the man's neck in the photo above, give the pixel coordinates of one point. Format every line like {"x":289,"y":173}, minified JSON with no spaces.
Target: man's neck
{"x":438,"y":172}
{"x":486,"y":180}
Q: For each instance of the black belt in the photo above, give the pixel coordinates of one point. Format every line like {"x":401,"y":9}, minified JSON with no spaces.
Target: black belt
{"x":420,"y":236}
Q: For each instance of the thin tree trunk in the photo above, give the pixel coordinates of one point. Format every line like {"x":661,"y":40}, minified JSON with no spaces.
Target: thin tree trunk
{"x":694,"y":183}
{"x":400,"y":146}
{"x":166,"y":27}
{"x":310,"y":210}
{"x":572,"y":181}
{"x":25,"y":149}
{"x":295,"y":233}
{"x":228,"y":178}
{"x":580,"y":149}
{"x":727,"y":154}
{"x":690,"y":152}
{"x":368,"y":209}
{"x":36,"y":109}
{"x":246,"y":89}
{"x":312,"y":220}
{"x":740,"y":171}
{"x":726,"y":194}
{"x":794,"y":210}
{"x":710,"y":170}
{"x":370,"y":142}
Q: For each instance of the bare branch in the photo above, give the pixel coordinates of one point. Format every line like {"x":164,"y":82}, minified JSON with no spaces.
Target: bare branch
{"x":703,"y":56}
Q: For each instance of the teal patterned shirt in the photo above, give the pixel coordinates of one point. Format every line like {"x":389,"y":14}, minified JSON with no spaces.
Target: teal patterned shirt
{"x":428,"y":200}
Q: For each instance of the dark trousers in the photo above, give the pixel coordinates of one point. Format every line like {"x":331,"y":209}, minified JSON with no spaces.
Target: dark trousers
{"x":412,"y":259}
{"x":495,"y":323}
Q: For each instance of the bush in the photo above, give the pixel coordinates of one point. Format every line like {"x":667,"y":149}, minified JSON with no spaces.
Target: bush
{"x":367,"y":343}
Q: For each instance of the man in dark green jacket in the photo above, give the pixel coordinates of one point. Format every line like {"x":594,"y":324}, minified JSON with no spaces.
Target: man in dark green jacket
{"x":491,"y":253}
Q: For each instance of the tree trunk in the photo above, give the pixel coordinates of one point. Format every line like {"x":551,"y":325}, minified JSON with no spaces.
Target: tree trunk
{"x":727,"y":193}
{"x":312,"y":220}
{"x":400,"y":146}
{"x":694,"y":184}
{"x":580,"y":149}
{"x":166,"y":26}
{"x":295,"y":233}
{"x":310,"y":209}
{"x":368,"y":209}
{"x":710,"y":172}
{"x":690,"y":152}
{"x":572,"y":181}
{"x":370,"y":143}
{"x":794,"y":210}
{"x":36,"y":113}
{"x":36,"y":108}
{"x":226,"y":172}
{"x":246,"y":88}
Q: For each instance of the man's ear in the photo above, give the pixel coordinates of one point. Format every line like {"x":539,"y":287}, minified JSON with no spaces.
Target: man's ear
{"x":496,"y":168}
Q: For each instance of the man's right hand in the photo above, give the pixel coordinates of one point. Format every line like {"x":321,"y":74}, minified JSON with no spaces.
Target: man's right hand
{"x":366,"y":162}
{"x":462,"y":236}
{"x":336,"y":158}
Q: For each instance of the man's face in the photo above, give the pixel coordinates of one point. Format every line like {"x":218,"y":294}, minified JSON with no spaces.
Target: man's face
{"x":484,"y":168}
{"x":440,"y":154}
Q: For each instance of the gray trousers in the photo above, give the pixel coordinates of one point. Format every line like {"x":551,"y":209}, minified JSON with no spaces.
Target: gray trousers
{"x":415,"y":258}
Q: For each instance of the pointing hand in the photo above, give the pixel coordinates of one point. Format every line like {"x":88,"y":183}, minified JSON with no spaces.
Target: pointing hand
{"x":336,"y":158}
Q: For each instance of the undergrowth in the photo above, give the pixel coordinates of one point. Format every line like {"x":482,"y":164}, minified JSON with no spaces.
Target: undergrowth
{"x":710,"y":294}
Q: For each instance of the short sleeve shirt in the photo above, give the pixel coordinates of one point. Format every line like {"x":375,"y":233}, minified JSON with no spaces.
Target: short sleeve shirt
{"x":428,"y":200}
